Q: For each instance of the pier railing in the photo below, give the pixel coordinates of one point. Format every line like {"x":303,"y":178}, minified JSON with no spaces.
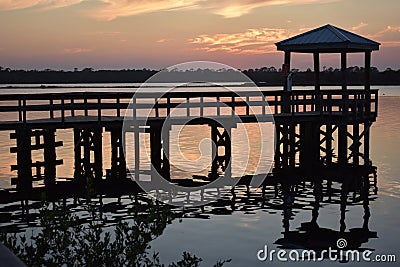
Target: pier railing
{"x":58,"y":107}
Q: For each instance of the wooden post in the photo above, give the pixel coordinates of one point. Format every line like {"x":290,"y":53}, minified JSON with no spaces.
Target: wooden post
{"x":356,"y":144}
{"x":155,"y":149}
{"x":118,"y":164}
{"x":342,"y":144}
{"x":49,"y":157}
{"x":97,"y":145}
{"x":318,"y":103}
{"x":343,"y":59}
{"x":316,"y":72}
{"x":342,"y":128}
{"x":114,"y":153}
{"x":366,"y":143}
{"x":367,"y":82}
{"x":287,"y":64}
{"x":221,"y":139}
{"x":86,"y":141}
{"x":292,"y":145}
{"x":367,"y":69}
{"x":137,"y":151}
{"x":165,"y":153}
{"x":286,"y":95}
{"x":285,"y":145}
{"x":24,"y":159}
{"x":228,"y":153}
{"x":278,"y":141}
{"x":77,"y":155}
{"x":328,"y":142}
{"x":214,"y":165}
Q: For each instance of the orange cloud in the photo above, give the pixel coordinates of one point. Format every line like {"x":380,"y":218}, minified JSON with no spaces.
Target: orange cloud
{"x":111,"y":9}
{"x":387,"y":31}
{"x":123,"y":8}
{"x":227,"y":8}
{"x":262,"y":40}
{"x":252,"y":41}
{"x":233,"y":9}
{"x":73,"y":51}
{"x":359,"y":26}
{"x":389,"y":37}
{"x":164,"y":40}
{"x":392,"y":44}
{"x":45,"y":4}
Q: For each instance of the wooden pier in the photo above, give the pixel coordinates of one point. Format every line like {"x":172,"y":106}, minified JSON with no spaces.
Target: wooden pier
{"x":318,"y":132}
{"x":306,"y":122}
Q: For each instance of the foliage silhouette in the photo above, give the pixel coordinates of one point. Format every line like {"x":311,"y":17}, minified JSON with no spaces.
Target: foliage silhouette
{"x":263,"y":76}
{"x":64,"y":238}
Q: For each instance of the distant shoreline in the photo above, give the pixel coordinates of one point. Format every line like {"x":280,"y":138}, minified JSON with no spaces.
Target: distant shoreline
{"x":262,"y":77}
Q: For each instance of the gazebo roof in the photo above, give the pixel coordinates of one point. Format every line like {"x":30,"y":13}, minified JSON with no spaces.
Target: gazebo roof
{"x":327,"y":39}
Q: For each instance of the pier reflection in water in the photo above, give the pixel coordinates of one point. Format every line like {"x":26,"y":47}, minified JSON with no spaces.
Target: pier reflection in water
{"x":282,"y":199}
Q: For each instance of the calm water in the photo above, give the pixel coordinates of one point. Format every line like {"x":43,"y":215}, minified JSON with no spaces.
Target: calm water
{"x":241,"y":234}
{"x":237,"y":231}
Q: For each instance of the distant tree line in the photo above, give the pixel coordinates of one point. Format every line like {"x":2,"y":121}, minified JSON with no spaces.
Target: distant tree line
{"x":328,"y":76}
{"x":263,"y":76}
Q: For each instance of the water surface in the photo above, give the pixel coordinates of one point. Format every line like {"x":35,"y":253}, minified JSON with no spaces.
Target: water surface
{"x":237,"y":228}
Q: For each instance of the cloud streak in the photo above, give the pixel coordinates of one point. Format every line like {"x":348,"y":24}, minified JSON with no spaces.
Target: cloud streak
{"x":388,"y":37}
{"x":233,"y":9}
{"x":262,"y":40}
{"x":44,"y":4}
{"x":359,"y":26}
{"x":252,"y":41}
{"x":112,"y":9}
{"x":74,"y":51}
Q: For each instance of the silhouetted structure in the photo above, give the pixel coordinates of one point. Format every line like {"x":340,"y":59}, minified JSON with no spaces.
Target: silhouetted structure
{"x":328,"y":39}
{"x":301,"y":118}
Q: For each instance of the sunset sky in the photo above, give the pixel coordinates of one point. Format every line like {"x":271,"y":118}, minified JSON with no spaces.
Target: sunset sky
{"x":116,"y":34}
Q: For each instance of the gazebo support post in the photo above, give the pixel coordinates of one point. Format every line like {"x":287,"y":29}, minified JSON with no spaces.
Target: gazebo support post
{"x":343,"y":65}
{"x":342,"y":134}
{"x":286,"y":109}
{"x":287,"y":63}
{"x":316,"y":72}
{"x":367,"y":87}
{"x":317,"y":82}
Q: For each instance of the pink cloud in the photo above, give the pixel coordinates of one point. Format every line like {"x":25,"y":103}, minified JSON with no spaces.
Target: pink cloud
{"x":359,"y":26}
{"x":389,"y":36}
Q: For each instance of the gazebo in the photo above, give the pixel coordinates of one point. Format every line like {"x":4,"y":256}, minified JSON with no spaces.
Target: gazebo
{"x":328,"y":39}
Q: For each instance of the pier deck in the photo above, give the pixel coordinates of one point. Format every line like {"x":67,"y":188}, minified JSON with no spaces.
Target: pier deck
{"x":64,"y":110}
{"x":305,"y":123}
